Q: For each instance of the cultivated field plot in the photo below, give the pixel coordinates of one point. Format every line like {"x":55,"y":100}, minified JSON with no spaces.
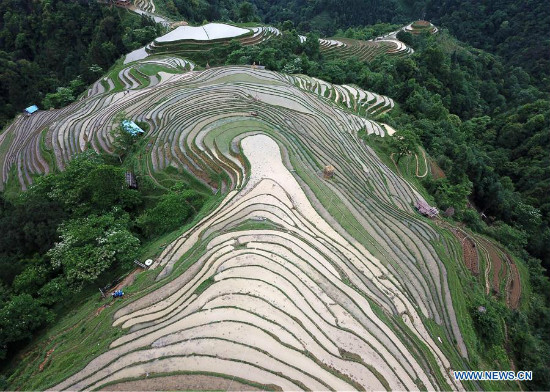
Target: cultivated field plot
{"x":420,"y":26}
{"x":297,"y":282}
{"x":352,"y":97}
{"x":145,"y":5}
{"x":187,"y":40}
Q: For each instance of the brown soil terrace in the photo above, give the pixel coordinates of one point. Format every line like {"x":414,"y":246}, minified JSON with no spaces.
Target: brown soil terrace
{"x":503,"y":267}
{"x":496,"y":266}
{"x":194,"y":382}
{"x":437,"y":172}
{"x":469,"y":251}
{"x":422,"y":23}
{"x":513,"y":288}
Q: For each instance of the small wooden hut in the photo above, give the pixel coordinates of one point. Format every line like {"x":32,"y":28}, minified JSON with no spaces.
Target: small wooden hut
{"x":328,"y":172}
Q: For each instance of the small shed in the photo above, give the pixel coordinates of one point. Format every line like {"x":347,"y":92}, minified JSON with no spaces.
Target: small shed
{"x":449,"y":212}
{"x":31,"y":109}
{"x":328,"y":172}
{"x":132,"y":128}
{"x":131,"y":180}
{"x":425,"y":209}
{"x":257,"y":66}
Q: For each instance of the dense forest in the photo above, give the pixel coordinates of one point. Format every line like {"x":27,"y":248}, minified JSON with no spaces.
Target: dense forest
{"x":515,"y":30}
{"x":322,"y":16}
{"x":46,"y":45}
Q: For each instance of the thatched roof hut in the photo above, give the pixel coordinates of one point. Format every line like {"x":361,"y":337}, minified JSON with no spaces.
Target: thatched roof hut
{"x":328,"y":171}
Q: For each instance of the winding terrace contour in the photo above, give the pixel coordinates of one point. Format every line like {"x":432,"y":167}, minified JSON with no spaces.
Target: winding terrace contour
{"x":297,"y":282}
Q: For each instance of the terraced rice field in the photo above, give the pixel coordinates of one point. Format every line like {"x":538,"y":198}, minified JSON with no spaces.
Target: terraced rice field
{"x":186,"y":41}
{"x":145,"y":5}
{"x":297,"y":282}
{"x":491,"y":264}
{"x":420,"y":26}
{"x":501,"y":273}
{"x":365,"y":50}
{"x":352,"y":97}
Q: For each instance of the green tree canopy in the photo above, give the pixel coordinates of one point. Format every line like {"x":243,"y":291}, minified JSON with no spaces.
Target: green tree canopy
{"x":19,"y":318}
{"x":403,"y":142}
{"x":171,"y":212}
{"x":91,"y":245}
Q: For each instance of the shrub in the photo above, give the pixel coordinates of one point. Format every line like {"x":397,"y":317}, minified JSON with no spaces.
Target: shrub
{"x":487,"y":317}
{"x":171,"y":212}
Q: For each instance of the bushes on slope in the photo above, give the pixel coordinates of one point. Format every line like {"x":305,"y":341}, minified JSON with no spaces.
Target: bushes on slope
{"x":72,"y":230}
{"x":171,"y":212}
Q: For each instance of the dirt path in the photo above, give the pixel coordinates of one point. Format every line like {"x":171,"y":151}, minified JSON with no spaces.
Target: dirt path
{"x":395,"y":164}
{"x":127,"y":281}
{"x":425,"y":164}
{"x":50,"y":351}
{"x":417,"y":165}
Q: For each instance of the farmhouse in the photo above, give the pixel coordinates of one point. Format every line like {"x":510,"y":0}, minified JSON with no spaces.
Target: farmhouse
{"x":132,"y":128}
{"x":257,"y":66}
{"x":425,"y":209}
{"x":31,"y":109}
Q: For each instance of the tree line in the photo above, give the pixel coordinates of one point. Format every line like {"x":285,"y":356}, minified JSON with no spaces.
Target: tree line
{"x":58,"y":46}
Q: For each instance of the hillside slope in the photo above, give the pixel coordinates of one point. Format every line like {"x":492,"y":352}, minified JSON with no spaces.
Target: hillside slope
{"x":332,"y":283}
{"x":517,"y":31}
{"x":310,"y":267}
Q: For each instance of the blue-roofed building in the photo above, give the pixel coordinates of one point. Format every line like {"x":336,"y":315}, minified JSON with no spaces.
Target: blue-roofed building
{"x":31,"y":109}
{"x":132,"y":128}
